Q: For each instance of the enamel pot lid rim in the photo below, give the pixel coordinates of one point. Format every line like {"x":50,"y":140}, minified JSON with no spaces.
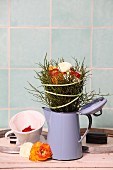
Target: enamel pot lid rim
{"x":93,"y":107}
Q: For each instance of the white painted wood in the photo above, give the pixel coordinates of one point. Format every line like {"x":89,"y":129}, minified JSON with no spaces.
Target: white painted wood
{"x":64,"y":169}
{"x":94,"y":169}
{"x":87,"y":162}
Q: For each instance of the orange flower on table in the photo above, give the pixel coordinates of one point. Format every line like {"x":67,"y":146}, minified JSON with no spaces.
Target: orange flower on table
{"x":40,"y":152}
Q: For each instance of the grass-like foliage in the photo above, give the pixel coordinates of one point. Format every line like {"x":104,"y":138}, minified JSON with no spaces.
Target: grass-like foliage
{"x":63,"y":91}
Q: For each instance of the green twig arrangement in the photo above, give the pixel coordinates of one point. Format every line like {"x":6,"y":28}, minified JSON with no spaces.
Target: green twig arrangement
{"x":63,"y":91}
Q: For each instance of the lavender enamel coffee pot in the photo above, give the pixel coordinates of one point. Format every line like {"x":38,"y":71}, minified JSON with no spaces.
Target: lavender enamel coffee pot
{"x":64,"y":130}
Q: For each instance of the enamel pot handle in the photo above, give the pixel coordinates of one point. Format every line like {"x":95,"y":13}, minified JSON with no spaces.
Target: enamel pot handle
{"x":89,"y":126}
{"x":91,"y":109}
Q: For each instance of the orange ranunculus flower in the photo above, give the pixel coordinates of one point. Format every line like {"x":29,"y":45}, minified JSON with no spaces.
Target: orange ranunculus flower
{"x":59,"y":77}
{"x":54,"y":72}
{"x":56,"y":75}
{"x":40,"y":152}
{"x":54,"y":80}
{"x":52,"y":68}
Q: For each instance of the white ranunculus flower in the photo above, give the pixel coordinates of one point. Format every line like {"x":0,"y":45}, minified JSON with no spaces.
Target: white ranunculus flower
{"x":64,"y":66}
{"x":25,"y":149}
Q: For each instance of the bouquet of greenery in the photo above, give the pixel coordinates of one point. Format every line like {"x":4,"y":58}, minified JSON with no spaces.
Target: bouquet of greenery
{"x":63,"y":85}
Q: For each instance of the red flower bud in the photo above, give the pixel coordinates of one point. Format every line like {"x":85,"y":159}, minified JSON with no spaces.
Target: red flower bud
{"x":27,"y":129}
{"x":77,"y":74}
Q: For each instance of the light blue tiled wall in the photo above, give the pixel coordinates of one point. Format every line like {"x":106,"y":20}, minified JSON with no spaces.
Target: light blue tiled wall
{"x":62,"y":28}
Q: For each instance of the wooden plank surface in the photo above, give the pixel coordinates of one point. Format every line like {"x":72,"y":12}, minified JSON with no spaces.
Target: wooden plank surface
{"x":89,"y":161}
{"x":62,"y":169}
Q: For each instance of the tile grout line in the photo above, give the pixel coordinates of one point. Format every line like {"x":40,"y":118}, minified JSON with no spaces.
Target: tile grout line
{"x":50,"y":26}
{"x":19,"y":108}
{"x":30,"y":68}
{"x":91,"y":42}
{"x":8,"y":60}
{"x":29,"y":108}
{"x":58,"y":27}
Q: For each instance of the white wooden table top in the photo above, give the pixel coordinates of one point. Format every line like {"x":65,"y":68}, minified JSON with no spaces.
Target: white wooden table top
{"x":103,"y":161}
